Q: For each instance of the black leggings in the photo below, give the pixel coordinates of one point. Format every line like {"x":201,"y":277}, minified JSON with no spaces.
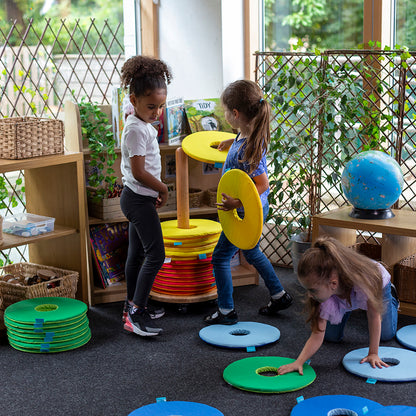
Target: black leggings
{"x":146,"y":252}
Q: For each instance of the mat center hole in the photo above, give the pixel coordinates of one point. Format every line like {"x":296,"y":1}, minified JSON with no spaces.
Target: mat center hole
{"x":391,"y":361}
{"x":267,"y":371}
{"x":342,"y":412}
{"x":240,"y":332}
{"x":214,"y":145}
{"x":46,"y":307}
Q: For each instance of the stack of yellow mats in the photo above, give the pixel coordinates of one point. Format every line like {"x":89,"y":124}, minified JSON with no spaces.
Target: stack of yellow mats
{"x":187,"y":269}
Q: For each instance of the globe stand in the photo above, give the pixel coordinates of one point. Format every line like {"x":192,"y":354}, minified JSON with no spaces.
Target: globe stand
{"x":371,"y":214}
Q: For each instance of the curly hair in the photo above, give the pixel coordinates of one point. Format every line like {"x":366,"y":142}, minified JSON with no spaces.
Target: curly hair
{"x":247,"y":97}
{"x":141,"y":74}
{"x":354,"y":269}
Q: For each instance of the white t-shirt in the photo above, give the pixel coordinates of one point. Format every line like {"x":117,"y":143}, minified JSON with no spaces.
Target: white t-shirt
{"x":140,"y":139}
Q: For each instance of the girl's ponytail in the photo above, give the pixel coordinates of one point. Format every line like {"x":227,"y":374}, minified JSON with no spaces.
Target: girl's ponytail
{"x":247,"y":97}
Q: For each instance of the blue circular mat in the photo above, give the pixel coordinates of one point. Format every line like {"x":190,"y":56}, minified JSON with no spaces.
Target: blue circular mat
{"x":395,"y":411}
{"x":240,"y":335}
{"x":323,"y":405}
{"x":176,"y":408}
{"x":407,"y":336}
{"x":402,"y":364}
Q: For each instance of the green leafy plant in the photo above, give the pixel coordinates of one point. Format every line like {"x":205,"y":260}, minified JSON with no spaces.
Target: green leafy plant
{"x":97,"y":132}
{"x":325,"y":113}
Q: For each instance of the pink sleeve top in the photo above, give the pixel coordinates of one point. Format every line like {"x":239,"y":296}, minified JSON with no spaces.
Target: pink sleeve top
{"x":334,"y":308}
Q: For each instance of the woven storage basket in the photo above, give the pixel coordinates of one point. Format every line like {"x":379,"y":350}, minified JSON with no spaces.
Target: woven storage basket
{"x":373,"y":251}
{"x":404,"y":278}
{"x":25,"y":137}
{"x":211,"y":199}
{"x":11,"y":293}
{"x":195,"y":196}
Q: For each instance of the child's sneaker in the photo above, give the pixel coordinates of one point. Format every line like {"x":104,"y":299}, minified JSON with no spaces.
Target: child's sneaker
{"x":126,"y":309}
{"x":276,"y":305}
{"x":217,"y":317}
{"x":140,"y":323}
{"x":154,"y":312}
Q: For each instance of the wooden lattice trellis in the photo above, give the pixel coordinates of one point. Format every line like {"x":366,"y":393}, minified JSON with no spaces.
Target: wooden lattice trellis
{"x":385,"y":88}
{"x":39,"y":74}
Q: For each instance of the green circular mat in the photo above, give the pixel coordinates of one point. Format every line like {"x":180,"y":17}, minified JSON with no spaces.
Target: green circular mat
{"x":80,"y":343}
{"x":63,"y":343}
{"x":259,"y":374}
{"x":49,"y":335}
{"x":45,"y":310}
{"x":55,"y":327}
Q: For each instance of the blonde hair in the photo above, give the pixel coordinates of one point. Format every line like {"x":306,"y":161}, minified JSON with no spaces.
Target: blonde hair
{"x":353,"y":269}
{"x":247,"y":97}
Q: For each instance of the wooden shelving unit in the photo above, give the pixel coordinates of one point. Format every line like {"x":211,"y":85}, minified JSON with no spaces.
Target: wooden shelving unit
{"x":55,"y":187}
{"x":398,"y":236}
{"x":244,"y":274}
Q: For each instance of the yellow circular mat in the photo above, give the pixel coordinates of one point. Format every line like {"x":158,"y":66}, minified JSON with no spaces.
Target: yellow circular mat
{"x":197,"y":227}
{"x":243,"y":233}
{"x":192,"y":242}
{"x":202,"y":146}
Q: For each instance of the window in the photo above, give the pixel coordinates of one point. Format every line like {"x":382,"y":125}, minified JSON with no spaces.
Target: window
{"x":326,"y":24}
{"x":406,"y":23}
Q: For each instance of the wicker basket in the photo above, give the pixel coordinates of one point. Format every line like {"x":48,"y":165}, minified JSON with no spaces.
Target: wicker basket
{"x":211,"y":198}
{"x":25,"y":137}
{"x":404,"y":278}
{"x":373,"y":251}
{"x":65,"y":284}
{"x":195,"y":197}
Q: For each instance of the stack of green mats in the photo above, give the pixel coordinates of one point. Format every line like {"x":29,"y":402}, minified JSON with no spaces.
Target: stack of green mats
{"x":49,"y":324}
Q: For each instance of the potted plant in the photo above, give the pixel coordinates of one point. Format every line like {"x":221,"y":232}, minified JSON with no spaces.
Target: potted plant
{"x":97,"y":133}
{"x":323,"y":115}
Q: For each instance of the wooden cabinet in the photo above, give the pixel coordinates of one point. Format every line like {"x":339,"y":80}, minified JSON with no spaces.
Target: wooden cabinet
{"x":55,"y":187}
{"x":243,"y":274}
{"x":398,"y":236}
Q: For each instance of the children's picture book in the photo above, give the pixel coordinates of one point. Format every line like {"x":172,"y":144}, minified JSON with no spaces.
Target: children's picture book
{"x":121,"y":108}
{"x":109,"y":243}
{"x":118,"y":96}
{"x":175,"y":120}
{"x":206,"y":114}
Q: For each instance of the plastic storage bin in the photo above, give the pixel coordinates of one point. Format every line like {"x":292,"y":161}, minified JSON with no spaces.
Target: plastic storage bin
{"x":28,"y":225}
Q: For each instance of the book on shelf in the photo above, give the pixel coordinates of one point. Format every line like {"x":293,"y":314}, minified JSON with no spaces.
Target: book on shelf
{"x":109,"y":243}
{"x":205,"y":114}
{"x":175,"y":120}
{"x":121,"y":108}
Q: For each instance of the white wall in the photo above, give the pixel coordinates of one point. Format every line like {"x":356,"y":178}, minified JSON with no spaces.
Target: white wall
{"x":202,"y":41}
{"x":232,"y":40}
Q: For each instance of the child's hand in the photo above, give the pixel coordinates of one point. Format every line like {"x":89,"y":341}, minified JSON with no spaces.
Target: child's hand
{"x":162,"y":198}
{"x":228,"y":203}
{"x":289,"y":368}
{"x":374,"y":361}
{"x":225,"y":145}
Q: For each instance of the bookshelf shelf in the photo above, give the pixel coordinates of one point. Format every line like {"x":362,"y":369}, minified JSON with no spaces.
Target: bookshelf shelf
{"x":55,"y":187}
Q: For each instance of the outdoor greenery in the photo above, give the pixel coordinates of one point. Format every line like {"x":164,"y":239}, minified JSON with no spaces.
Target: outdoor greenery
{"x":76,"y":13}
{"x":329,"y":24}
{"x":97,"y":132}
{"x":324,"y":114}
{"x":326,"y":24}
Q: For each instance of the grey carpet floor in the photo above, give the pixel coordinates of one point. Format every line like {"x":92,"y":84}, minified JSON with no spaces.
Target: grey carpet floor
{"x":118,"y":372}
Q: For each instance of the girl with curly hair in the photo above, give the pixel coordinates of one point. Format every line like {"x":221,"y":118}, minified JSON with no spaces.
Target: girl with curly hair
{"x":146,"y":80}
